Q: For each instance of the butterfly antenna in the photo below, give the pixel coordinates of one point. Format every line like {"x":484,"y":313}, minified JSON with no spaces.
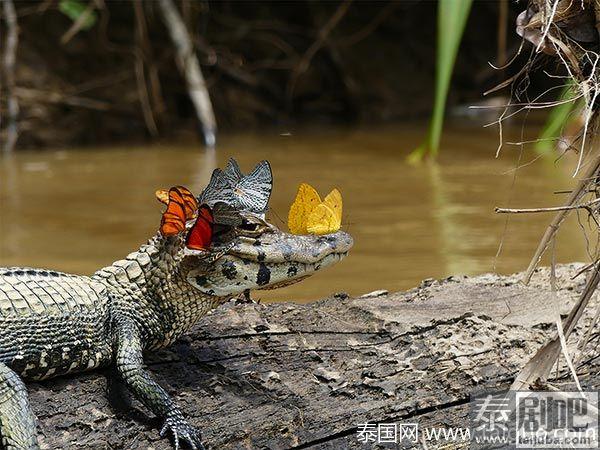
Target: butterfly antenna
{"x":348,"y":223}
{"x":278,"y":217}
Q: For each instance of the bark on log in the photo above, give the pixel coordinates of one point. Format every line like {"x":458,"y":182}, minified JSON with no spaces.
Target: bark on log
{"x":297,"y":376}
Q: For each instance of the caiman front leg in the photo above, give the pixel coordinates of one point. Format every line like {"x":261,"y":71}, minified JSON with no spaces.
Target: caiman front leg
{"x":130,"y":365}
{"x":17,"y":421}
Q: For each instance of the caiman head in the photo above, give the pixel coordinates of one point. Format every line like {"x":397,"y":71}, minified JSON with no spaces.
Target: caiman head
{"x":248,"y":252}
{"x":259,"y":256}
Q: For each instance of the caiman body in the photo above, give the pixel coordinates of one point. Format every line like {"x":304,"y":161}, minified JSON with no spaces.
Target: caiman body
{"x":53,"y":323}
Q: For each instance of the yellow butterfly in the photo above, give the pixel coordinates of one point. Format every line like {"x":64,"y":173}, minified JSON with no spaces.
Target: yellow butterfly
{"x":308,"y":214}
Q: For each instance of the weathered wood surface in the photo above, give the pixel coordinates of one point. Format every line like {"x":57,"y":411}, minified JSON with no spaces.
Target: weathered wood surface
{"x":285,"y":375}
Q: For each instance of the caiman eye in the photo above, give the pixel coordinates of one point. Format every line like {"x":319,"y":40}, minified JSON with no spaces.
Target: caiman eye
{"x":249,"y":226}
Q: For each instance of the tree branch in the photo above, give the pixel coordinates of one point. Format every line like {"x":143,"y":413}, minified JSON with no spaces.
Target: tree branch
{"x":190,"y":69}
{"x":10,"y":52}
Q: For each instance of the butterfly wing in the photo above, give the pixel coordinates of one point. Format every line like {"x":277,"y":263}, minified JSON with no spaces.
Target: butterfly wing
{"x":225,"y":214}
{"x":233,"y":173}
{"x":200,"y":235}
{"x":334,"y":201}
{"x":173,"y":219}
{"x":181,"y":207}
{"x":190,"y":203}
{"x":219,"y":189}
{"x":322,"y":220}
{"x":254,"y":190}
{"x":162,"y":195}
{"x":307,"y":199}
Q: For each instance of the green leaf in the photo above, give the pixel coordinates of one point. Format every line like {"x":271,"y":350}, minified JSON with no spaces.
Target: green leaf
{"x":452,"y":18}
{"x":557,"y":119}
{"x":73,"y":9}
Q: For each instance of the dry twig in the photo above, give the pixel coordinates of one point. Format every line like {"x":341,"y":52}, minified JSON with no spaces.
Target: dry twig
{"x":322,"y":37}
{"x":587,"y":206}
{"x":539,"y":367}
{"x":78,"y":24}
{"x":141,"y":39}
{"x":190,"y":69}
{"x":582,"y":187}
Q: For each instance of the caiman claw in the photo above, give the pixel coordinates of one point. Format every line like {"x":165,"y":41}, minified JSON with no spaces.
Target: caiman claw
{"x":181,"y":429}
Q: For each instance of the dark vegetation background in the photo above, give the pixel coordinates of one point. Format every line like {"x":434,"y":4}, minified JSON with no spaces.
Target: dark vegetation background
{"x":263,"y":63}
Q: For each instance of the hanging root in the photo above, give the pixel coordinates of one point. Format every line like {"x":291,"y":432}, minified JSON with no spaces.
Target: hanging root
{"x":566,"y":29}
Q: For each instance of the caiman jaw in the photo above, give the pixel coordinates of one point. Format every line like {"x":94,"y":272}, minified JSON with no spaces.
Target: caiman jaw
{"x":271,"y":260}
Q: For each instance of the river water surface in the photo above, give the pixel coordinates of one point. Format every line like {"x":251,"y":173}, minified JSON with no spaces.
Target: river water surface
{"x":77,"y":210}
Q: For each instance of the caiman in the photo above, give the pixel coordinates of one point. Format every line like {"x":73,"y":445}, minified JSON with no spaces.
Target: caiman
{"x":54,"y":323}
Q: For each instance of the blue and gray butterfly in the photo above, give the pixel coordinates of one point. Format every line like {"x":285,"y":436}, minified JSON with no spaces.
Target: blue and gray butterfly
{"x":247,"y":192}
{"x":253,"y":190}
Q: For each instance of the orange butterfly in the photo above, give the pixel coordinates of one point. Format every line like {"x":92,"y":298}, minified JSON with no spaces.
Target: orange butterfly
{"x":181,"y":207}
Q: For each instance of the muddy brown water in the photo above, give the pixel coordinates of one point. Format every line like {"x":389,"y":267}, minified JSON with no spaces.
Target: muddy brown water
{"x":79,"y":209}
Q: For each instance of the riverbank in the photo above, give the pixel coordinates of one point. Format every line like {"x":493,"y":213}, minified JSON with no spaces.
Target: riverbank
{"x":117,"y":80}
{"x":288,"y":375}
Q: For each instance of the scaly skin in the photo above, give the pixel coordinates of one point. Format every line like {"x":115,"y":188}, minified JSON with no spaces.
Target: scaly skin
{"x":53,"y":323}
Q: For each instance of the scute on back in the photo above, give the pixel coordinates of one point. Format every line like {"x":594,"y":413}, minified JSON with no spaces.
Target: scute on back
{"x":26,"y":292}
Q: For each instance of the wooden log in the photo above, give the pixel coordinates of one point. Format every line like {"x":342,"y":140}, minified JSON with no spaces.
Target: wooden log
{"x":287,"y":375}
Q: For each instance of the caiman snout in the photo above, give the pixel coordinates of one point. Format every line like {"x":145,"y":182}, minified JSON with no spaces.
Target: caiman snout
{"x":271,"y":260}
{"x":279,"y":247}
